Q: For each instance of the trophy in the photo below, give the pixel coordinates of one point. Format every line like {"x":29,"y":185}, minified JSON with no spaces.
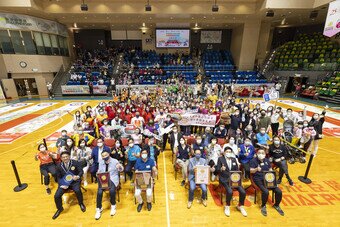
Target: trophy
{"x":104,"y":180}
{"x":269,"y":179}
{"x":235,"y":179}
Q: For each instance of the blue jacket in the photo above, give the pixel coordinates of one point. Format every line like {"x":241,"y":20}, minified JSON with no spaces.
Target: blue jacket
{"x":242,"y":155}
{"x":95,"y":154}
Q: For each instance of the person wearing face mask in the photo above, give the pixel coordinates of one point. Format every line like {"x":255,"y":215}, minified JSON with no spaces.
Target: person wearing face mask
{"x":220,"y":131}
{"x":317,"y":122}
{"x":225,"y":164}
{"x":127,"y":116}
{"x":278,"y":154}
{"x":78,"y":119}
{"x":99,"y":120}
{"x":249,"y":133}
{"x":160,"y":117}
{"x":80,"y":134}
{"x":105,"y":130}
{"x":182,"y":152}
{"x":118,"y":152}
{"x":235,"y":123}
{"x":264,"y":121}
{"x":96,"y":155}
{"x":257,"y":166}
{"x":138,"y":121}
{"x":262,"y":139}
{"x":174,"y":138}
{"x":289,"y":116}
{"x":111,"y":165}
{"x":145,"y":163}
{"x":84,"y":158}
{"x":68,"y":166}
{"x":132,"y":153}
{"x":308,"y":134}
{"x":214,"y":150}
{"x":153,"y":149}
{"x":274,"y":121}
{"x":231,"y":143}
{"x":193,"y":162}
{"x":246,"y":154}
{"x":61,"y":141}
{"x":198,"y":145}
{"x":47,"y":165}
{"x":71,"y":148}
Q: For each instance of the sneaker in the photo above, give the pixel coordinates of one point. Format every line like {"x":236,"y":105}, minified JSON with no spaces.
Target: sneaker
{"x":279,"y":181}
{"x":183,"y":183}
{"x":139,"y":207}
{"x":204,"y":202}
{"x":279,"y":210}
{"x":113,"y":210}
{"x":85,"y":183}
{"x":227,"y":211}
{"x":189,"y":204}
{"x":291,"y":183}
{"x":98,"y":213}
{"x":264,"y":211}
{"x":48,"y":190}
{"x":242,"y":210}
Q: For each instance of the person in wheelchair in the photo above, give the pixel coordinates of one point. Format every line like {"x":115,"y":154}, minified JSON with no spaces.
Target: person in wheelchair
{"x":225,"y":164}
{"x":278,"y":154}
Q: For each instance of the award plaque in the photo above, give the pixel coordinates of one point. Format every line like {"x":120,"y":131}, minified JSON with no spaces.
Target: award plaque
{"x":269,"y":179}
{"x":104,"y":180}
{"x":235,"y":179}
{"x":143,"y":179}
{"x":202,"y":174}
{"x":66,"y":180}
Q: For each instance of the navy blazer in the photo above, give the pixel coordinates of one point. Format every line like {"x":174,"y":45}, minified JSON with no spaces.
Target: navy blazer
{"x":95,"y":152}
{"x":75,"y":169}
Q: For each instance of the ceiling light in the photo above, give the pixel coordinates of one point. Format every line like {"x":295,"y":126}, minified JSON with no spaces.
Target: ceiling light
{"x":214,"y":7}
{"x":75,"y":25}
{"x":148,"y":7}
{"x":143,"y":24}
{"x":84,"y":6}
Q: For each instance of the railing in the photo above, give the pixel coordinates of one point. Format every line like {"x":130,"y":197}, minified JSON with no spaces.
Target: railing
{"x":57,"y":77}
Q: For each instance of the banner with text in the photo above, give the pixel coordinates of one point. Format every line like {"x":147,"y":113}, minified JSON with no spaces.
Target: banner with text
{"x":197,"y":119}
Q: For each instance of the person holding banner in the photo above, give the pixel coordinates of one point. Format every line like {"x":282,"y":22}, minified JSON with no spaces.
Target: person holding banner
{"x":258,"y":165}
{"x":145,"y":163}
{"x":108,"y":179}
{"x":69,"y":174}
{"x":225,"y":164}
{"x":192,"y":168}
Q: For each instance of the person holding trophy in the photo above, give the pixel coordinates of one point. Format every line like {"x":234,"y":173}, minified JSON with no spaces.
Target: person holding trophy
{"x":230,"y":177}
{"x":264,"y":178}
{"x":108,"y":179}
{"x":69,"y":173}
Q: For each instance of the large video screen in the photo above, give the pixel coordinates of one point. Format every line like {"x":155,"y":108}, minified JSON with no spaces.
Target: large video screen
{"x":172,"y":38}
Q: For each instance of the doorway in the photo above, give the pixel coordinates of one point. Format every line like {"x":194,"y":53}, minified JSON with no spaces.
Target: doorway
{"x":294,"y":80}
{"x":26,"y":87}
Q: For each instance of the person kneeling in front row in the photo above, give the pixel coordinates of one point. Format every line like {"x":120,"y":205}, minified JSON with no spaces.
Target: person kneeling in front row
{"x":225,"y":164}
{"x":111,"y":165}
{"x":257,"y":166}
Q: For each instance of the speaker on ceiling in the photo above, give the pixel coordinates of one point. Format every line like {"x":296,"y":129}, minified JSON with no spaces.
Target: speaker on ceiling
{"x":270,"y":13}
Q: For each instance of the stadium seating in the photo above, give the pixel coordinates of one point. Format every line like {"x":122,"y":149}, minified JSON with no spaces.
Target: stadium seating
{"x":217,"y":60}
{"x":308,"y":52}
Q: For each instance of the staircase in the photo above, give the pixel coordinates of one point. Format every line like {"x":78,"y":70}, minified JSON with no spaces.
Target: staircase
{"x":267,"y":68}
{"x":335,"y":99}
{"x":60,"y":79}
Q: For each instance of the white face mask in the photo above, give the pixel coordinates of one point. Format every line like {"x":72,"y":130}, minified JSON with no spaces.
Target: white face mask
{"x":131,"y":145}
{"x":82,"y":145}
{"x":144,"y":156}
{"x":100,"y":144}
{"x":263,"y":132}
{"x":199,"y":141}
{"x":261,"y":156}
{"x":247,"y":143}
{"x":42,"y":149}
{"x":69,"y":143}
{"x":181,"y":142}
{"x":63,"y":134}
{"x":213,"y":142}
{"x":228,"y":155}
{"x":117,"y":144}
{"x":232,"y":141}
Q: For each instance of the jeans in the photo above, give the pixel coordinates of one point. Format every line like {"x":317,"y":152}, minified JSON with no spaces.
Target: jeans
{"x":283,"y":168}
{"x":112,"y":191}
{"x":128,"y":168}
{"x":192,"y":188}
{"x":265,"y":193}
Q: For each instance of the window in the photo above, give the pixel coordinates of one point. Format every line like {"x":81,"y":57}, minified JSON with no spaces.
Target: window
{"x":39,"y":42}
{"x":66,"y":46}
{"x":55,"y":47}
{"x":47,"y":43}
{"x":29,"y":44}
{"x":61,"y":45}
{"x":5,"y":41}
{"x":17,"y":42}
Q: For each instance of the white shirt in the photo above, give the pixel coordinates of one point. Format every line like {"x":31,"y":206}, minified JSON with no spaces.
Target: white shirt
{"x":228,"y":163}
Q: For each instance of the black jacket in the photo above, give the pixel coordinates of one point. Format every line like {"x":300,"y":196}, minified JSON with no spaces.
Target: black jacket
{"x":75,"y":169}
{"x":224,"y":175}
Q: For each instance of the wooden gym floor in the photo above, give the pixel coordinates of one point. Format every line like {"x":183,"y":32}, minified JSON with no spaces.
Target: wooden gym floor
{"x":317,"y":204}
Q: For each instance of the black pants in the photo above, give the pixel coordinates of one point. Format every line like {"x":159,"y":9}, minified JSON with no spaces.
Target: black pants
{"x":229,"y":193}
{"x":283,"y":168}
{"x":128,"y":168}
{"x":275,"y":128}
{"x":165,"y":140}
{"x":265,"y":193}
{"x":45,"y":170}
{"x":246,"y":168}
{"x":60,"y":192}
{"x":112,"y":191}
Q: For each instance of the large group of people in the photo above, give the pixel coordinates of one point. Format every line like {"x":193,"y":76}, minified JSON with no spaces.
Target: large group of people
{"x":245,"y":136}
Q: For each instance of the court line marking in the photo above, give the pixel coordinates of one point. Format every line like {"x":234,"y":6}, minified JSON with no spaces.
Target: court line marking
{"x":166,"y":193}
{"x":329,"y":150}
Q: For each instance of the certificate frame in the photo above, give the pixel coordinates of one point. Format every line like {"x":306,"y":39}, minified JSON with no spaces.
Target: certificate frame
{"x":235,"y":179}
{"x":269,"y":179}
{"x":202,"y":174}
{"x":143,"y":179}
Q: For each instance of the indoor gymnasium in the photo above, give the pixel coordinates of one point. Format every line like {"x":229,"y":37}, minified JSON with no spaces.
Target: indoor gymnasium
{"x":169,"y":113}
